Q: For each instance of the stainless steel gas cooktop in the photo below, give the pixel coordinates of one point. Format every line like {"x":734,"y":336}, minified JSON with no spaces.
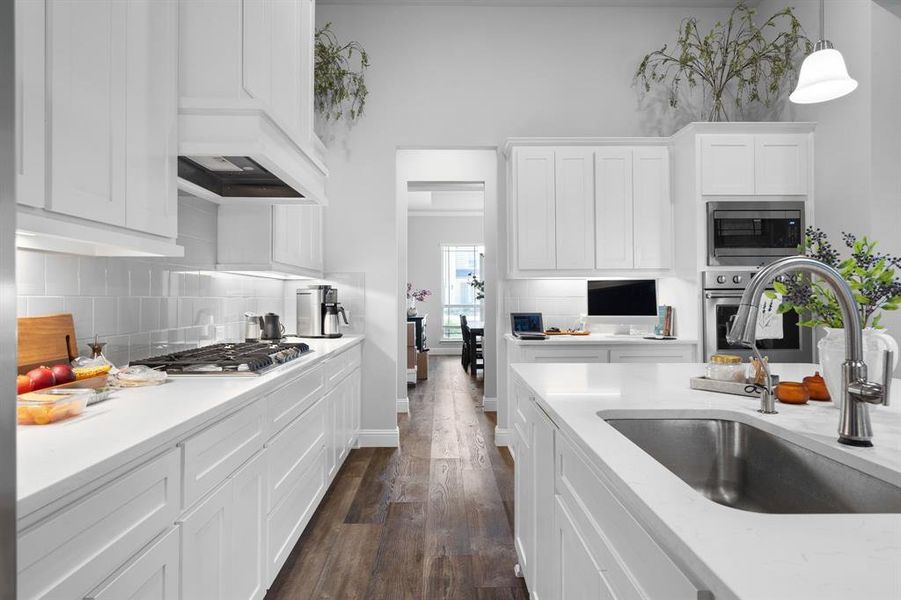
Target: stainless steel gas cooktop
{"x":228,"y":360}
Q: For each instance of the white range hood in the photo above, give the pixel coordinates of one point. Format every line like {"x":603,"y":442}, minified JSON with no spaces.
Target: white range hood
{"x":245,"y":112}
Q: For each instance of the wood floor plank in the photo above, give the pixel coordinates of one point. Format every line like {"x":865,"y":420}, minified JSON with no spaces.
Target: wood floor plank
{"x":410,"y":482}
{"x":398,"y":569}
{"x":515,"y":593}
{"x":490,"y":534}
{"x":345,"y":576}
{"x":449,"y":578}
{"x":447,"y":533}
{"x":370,"y":504}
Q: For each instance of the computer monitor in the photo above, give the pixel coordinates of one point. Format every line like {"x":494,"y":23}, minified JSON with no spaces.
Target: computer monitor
{"x":622,"y":298}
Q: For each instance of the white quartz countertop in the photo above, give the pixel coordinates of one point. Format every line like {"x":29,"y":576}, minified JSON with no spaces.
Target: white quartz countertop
{"x":597,"y":339}
{"x":54,"y":460}
{"x":736,"y":554}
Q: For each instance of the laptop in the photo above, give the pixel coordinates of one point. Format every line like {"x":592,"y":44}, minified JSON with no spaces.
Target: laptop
{"x":527,"y":326}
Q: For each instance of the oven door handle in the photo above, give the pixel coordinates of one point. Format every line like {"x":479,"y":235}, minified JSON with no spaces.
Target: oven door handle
{"x":715,"y":294}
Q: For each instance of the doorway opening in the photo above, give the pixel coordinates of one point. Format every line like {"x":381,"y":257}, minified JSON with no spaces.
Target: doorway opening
{"x":447,"y":264}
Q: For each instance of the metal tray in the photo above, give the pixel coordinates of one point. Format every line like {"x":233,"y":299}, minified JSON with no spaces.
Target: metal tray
{"x":747,"y":389}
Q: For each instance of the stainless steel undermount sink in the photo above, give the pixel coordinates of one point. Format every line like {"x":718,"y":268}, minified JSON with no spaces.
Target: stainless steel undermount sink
{"x":743,"y":467}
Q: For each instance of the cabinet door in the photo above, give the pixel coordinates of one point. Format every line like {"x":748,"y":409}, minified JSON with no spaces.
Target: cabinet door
{"x":332,"y":400}
{"x":574,"y":208}
{"x":524,"y":496}
{"x":543,"y":458}
{"x":153,"y":575}
{"x":536,"y":244}
{"x":307,"y":57}
{"x":780,"y":166}
{"x":613,"y":208}
{"x":727,"y":164}
{"x":86,"y":74}
{"x":651,"y":209}
{"x":151,"y":98}
{"x":287,"y":224}
{"x":206,"y":543}
{"x":356,"y":404}
{"x":580,"y":576}
{"x":311,"y":237}
{"x":248,"y":543}
{"x":30,"y":107}
{"x":256,"y":49}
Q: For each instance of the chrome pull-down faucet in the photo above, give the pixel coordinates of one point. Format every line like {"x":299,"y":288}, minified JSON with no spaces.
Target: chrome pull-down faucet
{"x":854,"y":428}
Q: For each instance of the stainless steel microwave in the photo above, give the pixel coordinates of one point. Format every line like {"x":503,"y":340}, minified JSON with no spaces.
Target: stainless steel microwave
{"x":753,"y":233}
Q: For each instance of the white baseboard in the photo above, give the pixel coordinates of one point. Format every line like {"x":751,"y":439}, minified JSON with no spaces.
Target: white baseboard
{"x":403,"y":405}
{"x":445,"y":351}
{"x":503,"y":437}
{"x":489,"y":404}
{"x":379,"y":438}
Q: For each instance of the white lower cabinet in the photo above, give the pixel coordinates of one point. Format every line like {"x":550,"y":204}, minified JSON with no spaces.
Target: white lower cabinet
{"x":152,"y":575}
{"x":653,"y":354}
{"x":574,"y":538}
{"x":248,"y":532}
{"x":206,"y":535}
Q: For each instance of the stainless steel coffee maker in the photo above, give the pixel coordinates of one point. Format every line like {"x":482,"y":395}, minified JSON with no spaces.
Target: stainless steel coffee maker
{"x":317,"y":312}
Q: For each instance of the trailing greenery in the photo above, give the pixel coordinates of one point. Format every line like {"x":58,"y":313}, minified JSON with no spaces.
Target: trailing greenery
{"x":870,"y":274}
{"x":340,"y":76}
{"x":735,"y":57}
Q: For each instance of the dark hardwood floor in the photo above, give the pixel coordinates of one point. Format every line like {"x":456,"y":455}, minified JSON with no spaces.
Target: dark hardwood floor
{"x":432,"y":519}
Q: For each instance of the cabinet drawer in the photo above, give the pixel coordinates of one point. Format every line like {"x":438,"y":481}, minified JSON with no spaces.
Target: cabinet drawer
{"x":217,"y":451}
{"x":153,"y":575}
{"x":633,"y":564}
{"x":292,"y":451}
{"x":652,"y":355}
{"x":71,"y":552}
{"x":287,"y":402}
{"x":337,"y":367}
{"x":287,"y":520}
{"x":551,"y":354}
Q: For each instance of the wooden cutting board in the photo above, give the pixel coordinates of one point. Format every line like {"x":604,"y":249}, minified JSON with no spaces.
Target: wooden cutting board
{"x":46,"y":340}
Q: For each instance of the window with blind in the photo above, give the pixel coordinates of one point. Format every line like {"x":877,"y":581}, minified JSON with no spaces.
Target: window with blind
{"x":458,"y":297}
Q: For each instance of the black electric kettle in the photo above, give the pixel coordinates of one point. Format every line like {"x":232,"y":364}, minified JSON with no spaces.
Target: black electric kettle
{"x":272,"y":329}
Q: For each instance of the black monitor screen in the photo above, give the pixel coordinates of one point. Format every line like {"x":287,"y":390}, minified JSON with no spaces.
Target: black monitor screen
{"x":626,"y":298}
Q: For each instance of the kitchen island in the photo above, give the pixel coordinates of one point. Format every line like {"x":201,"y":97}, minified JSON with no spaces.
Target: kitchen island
{"x":211,"y":477}
{"x":602,"y":514}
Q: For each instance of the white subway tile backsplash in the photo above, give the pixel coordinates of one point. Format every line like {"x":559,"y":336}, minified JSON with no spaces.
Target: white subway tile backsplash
{"x":92,"y":276}
{"x":45,"y":305}
{"x":21,"y":306}
{"x":61,"y":275}
{"x":185,"y":312}
{"x":138,"y":346}
{"x":106,"y":316}
{"x":82,"y":310}
{"x":129,"y":315}
{"x":139,"y":280}
{"x":150,"y":314}
{"x":117,"y":277}
{"x":29,"y":273}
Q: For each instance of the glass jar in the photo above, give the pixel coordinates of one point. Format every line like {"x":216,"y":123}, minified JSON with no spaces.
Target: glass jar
{"x":726,"y":367}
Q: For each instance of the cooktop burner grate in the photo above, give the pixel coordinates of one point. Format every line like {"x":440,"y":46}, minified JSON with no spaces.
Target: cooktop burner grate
{"x":241,"y":358}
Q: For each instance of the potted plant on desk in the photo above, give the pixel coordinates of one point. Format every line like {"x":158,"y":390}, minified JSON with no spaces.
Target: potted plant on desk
{"x":871,"y":276}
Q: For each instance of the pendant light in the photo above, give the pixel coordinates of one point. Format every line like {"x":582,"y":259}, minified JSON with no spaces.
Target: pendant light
{"x":823,"y":75}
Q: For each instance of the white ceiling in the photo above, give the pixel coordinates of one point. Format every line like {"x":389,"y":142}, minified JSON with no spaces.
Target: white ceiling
{"x":635,"y":3}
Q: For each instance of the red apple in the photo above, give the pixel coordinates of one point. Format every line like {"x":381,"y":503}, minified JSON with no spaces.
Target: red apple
{"x":41,"y":378}
{"x":62,"y":373}
{"x":23,"y":384}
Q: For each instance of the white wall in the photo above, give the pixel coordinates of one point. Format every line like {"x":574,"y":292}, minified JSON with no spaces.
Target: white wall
{"x":425,"y":235}
{"x":450,"y":76}
{"x":142,"y":307}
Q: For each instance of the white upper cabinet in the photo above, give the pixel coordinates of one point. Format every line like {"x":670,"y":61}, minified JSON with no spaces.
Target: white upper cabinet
{"x":589,"y":210}
{"x":574,"y":208}
{"x":280,"y":239}
{"x":780,"y":164}
{"x":727,"y":164}
{"x":613,"y":208}
{"x":534,"y":189}
{"x":652,"y":218}
{"x":97,"y":125}
{"x":767,"y":164}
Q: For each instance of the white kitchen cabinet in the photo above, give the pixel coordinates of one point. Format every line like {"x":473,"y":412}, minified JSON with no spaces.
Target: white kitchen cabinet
{"x":206,"y":544}
{"x":580,"y":575}
{"x":247,"y":549}
{"x":534,"y":190}
{"x":780,"y":164}
{"x":763,"y":164}
{"x":152,"y":575}
{"x":546,"y":559}
{"x":97,"y":126}
{"x":278,"y":239}
{"x":652,"y":354}
{"x":69,"y":553}
{"x":613,"y":208}
{"x":652,"y":216}
{"x":574,"y":212}
{"x":524,"y":489}
{"x":727,"y":164}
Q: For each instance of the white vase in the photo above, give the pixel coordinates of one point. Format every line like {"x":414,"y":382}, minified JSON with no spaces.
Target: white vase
{"x":832,"y":356}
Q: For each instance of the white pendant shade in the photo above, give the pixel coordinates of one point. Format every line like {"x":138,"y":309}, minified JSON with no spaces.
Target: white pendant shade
{"x":823,"y":77}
